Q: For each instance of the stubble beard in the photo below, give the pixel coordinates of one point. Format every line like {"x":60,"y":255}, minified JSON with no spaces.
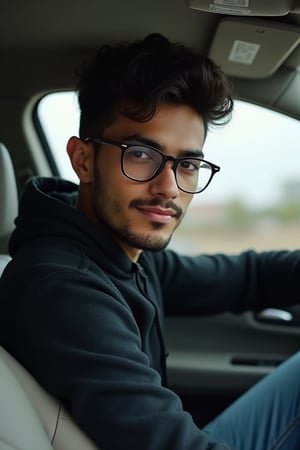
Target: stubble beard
{"x":106,"y":207}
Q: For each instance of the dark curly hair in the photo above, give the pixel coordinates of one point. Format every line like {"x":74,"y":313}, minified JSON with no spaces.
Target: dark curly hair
{"x":134,"y":78}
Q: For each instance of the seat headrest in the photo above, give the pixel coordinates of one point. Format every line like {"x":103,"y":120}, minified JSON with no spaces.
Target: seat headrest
{"x":8,"y":193}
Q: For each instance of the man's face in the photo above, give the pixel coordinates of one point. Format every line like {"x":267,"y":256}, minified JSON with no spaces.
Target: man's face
{"x":143,"y":215}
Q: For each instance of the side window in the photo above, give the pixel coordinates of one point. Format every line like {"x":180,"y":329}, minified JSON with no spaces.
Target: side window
{"x":58,"y":116}
{"x":253,"y":202}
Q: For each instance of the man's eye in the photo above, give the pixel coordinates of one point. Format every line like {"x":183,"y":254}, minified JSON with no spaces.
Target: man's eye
{"x":192,"y":166}
{"x":138,"y":153}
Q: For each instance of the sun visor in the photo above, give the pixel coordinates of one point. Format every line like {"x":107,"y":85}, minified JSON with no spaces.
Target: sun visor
{"x":246,"y":7}
{"x":252,"y":48}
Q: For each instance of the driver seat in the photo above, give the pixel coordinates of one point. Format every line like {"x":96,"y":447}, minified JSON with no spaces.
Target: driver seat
{"x":30,"y":418}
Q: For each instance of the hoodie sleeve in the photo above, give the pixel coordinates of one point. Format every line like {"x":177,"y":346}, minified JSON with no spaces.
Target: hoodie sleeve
{"x":212,"y":284}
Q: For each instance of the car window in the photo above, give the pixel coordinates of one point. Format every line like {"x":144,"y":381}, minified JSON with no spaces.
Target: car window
{"x":253,"y":202}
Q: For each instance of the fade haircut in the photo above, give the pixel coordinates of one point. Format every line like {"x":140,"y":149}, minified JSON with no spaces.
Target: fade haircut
{"x":134,"y":78}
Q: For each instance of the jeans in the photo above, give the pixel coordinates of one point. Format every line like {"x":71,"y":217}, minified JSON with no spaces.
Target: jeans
{"x":267,"y":417}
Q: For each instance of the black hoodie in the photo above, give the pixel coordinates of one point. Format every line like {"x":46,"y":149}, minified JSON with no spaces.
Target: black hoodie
{"x":87,"y":322}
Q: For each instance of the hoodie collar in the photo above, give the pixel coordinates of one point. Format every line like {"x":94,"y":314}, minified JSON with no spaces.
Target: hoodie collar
{"x":48,"y":209}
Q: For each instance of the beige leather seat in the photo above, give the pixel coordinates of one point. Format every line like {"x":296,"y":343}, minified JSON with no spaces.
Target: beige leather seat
{"x":8,"y":202}
{"x":30,"y":418}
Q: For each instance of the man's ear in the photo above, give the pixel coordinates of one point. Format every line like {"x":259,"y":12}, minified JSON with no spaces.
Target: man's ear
{"x":82,"y":158}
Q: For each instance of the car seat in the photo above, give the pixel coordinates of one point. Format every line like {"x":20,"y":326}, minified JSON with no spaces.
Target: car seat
{"x":30,"y":418}
{"x":8,"y":203}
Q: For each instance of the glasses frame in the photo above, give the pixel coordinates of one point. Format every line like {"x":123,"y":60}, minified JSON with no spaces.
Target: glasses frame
{"x":165,"y":158}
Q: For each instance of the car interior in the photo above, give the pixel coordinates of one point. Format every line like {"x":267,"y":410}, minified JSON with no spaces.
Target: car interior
{"x":42,"y":44}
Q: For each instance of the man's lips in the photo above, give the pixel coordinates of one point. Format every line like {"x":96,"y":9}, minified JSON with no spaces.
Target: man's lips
{"x":156,"y":214}
{"x":156,"y":210}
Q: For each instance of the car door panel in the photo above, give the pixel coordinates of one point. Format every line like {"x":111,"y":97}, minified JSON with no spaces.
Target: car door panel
{"x":226,"y":353}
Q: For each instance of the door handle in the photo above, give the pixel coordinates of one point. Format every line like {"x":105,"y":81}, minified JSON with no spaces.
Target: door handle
{"x":274,"y":316}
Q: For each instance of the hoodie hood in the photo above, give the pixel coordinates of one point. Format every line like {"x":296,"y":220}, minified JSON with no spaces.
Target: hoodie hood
{"x":48,"y":209}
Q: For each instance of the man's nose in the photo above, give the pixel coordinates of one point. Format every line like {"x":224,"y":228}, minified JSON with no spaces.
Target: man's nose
{"x":165,"y":183}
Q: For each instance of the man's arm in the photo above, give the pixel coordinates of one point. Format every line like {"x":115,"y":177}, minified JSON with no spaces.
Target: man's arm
{"x":209,"y":284}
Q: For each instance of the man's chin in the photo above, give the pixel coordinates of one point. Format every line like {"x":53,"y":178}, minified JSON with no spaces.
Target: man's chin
{"x":150,"y":242}
{"x":158,"y":239}
{"x":157,"y":246}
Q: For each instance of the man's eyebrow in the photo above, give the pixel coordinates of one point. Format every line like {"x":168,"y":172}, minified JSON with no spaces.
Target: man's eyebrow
{"x":144,"y":140}
{"x":147,"y":141}
{"x":191,"y":154}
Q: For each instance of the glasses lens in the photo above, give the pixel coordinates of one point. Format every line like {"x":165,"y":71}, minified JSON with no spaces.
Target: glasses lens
{"x":193,"y":175}
{"x":141,"y":163}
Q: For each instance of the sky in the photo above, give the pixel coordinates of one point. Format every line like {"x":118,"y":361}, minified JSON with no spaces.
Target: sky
{"x":258,"y":151}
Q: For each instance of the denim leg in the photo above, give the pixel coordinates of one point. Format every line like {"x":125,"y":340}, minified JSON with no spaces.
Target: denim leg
{"x":267,"y":417}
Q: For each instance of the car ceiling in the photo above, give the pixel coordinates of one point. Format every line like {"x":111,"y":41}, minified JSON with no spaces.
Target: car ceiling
{"x":65,"y":32}
{"x":87,"y":23}
{"x":42,"y":43}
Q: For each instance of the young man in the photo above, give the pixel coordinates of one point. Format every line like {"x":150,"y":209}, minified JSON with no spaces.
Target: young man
{"x":84,"y":298}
